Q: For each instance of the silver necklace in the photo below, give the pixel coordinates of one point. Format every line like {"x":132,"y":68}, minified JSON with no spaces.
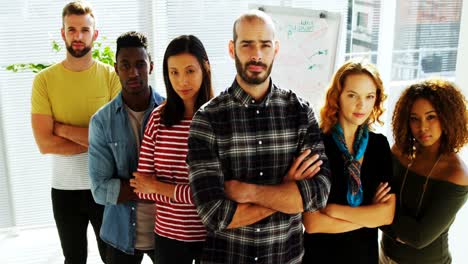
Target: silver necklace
{"x":421,"y":198}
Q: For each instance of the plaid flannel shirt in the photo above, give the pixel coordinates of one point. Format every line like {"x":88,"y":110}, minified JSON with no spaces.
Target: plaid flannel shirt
{"x":235,"y":137}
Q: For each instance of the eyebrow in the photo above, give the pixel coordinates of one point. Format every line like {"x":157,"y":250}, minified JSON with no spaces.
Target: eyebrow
{"x":428,"y":112}
{"x":252,"y":41}
{"x":352,"y":91}
{"x":70,"y":27}
{"x":188,"y":66}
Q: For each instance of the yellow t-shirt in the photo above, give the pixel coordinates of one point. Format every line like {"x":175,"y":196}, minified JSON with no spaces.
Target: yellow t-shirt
{"x":72,"y":98}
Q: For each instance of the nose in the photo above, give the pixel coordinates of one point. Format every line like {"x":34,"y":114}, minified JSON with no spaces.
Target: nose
{"x":133,"y":71}
{"x":183,"y":79}
{"x":77,"y":35}
{"x":256,"y":55}
{"x":360,"y":103}
{"x":424,"y":125}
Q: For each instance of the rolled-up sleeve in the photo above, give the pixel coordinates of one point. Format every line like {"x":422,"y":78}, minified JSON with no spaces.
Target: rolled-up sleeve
{"x":104,"y":187}
{"x":315,"y":190}
{"x":206,"y":177}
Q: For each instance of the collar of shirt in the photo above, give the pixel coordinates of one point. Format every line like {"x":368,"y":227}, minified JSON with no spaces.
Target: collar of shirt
{"x":156,"y":100}
{"x":245,"y":99}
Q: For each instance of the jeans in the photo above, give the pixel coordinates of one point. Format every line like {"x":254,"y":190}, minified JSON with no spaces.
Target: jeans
{"x":168,"y":251}
{"x":73,"y":210}
{"x":115,"y":256}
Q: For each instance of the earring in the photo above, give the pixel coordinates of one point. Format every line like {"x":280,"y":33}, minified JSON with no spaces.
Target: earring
{"x":413,"y":149}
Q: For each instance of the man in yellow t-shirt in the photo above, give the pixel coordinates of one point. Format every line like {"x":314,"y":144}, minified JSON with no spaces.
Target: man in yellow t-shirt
{"x":64,"y":98}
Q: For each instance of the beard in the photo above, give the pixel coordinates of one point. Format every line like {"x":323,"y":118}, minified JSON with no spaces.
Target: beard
{"x":78,"y":53}
{"x":256,"y":78}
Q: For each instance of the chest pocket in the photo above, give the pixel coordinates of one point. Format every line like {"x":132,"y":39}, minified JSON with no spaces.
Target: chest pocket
{"x":121,"y":152}
{"x":94,"y":103}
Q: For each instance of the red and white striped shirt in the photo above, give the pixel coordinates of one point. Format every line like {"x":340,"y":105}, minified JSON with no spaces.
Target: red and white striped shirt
{"x":163,"y":152}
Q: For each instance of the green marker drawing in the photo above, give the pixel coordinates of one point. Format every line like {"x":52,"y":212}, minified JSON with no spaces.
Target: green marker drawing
{"x":320,"y":52}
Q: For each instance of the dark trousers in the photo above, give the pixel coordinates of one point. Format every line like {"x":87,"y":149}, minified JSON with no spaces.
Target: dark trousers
{"x":73,"y":210}
{"x":115,"y":256}
{"x":169,"y":251}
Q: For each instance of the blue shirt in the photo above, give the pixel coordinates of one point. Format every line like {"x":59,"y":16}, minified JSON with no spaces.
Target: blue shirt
{"x":113,"y":156}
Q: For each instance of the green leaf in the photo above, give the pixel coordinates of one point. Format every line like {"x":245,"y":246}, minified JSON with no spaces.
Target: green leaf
{"x":100,"y":52}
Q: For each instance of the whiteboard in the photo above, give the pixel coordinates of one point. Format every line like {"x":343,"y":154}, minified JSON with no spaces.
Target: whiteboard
{"x":308,"y":46}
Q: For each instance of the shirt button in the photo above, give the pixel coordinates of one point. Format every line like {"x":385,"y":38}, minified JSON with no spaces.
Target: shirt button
{"x":261,"y":173}
{"x":133,"y":224}
{"x":258,"y":230}
{"x":256,"y":258}
{"x":133,"y":208}
{"x":260,"y":142}
{"x":253,"y":101}
{"x":246,"y":105}
{"x":115,"y":144}
{"x":258,"y":112}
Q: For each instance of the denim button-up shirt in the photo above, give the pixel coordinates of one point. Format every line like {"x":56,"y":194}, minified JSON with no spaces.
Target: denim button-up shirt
{"x":113,"y":155}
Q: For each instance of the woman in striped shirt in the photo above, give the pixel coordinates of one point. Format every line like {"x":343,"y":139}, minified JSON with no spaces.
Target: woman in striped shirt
{"x":162,"y":171}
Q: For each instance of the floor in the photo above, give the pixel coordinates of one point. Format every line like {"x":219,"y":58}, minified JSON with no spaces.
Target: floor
{"x":42,"y":246}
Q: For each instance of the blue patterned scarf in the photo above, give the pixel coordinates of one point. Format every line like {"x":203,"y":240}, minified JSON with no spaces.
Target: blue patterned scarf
{"x":351,"y":164}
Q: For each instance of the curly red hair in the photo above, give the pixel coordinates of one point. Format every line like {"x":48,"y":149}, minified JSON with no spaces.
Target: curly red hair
{"x":329,"y":112}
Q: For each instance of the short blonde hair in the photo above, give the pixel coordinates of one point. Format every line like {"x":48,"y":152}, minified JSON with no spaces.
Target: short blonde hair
{"x":77,"y":8}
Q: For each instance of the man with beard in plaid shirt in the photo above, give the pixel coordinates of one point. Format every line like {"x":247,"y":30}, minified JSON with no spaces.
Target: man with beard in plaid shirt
{"x":249,"y":149}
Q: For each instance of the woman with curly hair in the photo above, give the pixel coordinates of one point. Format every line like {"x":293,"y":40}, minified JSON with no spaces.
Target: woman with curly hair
{"x":431,"y":180}
{"x":361,"y":168}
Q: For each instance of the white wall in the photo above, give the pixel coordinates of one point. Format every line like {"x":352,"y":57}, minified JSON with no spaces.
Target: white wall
{"x":461,"y":77}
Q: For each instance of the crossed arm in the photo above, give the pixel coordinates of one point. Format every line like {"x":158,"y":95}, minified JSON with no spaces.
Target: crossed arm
{"x":256,"y":202}
{"x":336,"y":218}
{"x":56,"y":138}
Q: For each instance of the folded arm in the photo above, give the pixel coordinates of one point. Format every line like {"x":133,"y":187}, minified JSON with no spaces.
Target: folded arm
{"x":318,"y":222}
{"x":284,"y":197}
{"x":50,"y":143}
{"x":370,"y":216}
{"x":379,"y":213}
{"x":76,"y":134}
{"x":437,"y":217}
{"x":206,"y":178}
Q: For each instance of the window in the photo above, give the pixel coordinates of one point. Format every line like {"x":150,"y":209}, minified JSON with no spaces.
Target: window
{"x":423,"y":41}
{"x":426,"y":38}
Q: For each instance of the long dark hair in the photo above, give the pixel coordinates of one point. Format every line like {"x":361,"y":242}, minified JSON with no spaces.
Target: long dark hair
{"x":173,"y":110}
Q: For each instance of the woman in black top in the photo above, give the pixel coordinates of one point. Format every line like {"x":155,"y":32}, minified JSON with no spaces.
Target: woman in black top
{"x":361,"y":167}
{"x":431,"y":180}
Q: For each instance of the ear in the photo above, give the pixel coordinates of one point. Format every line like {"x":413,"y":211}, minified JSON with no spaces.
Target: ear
{"x":151,"y":67}
{"x":277,"y":46}
{"x":232,"y":49}
{"x":207,"y":66}
{"x":116,"y":68}
{"x":62,"y":33}
{"x":96,"y":34}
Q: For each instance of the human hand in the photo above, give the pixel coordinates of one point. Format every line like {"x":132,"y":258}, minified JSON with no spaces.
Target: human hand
{"x":238,"y":191}
{"x":126,"y":192}
{"x":303,"y":169}
{"x":144,"y":183}
{"x":382,"y":193}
